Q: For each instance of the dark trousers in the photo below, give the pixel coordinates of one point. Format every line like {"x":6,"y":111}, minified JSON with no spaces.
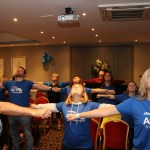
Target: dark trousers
{"x":64,"y":147}
{"x":4,"y":138}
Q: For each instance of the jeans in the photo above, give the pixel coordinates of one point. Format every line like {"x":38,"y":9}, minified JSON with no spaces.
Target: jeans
{"x":25,"y":122}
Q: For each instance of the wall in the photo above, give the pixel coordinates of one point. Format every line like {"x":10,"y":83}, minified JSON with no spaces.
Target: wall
{"x":36,"y":71}
{"x":120,"y":59}
{"x":141,"y":60}
{"x":62,"y":60}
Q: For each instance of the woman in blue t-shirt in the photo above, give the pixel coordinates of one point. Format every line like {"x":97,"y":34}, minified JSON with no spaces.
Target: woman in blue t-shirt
{"x":138,"y":108}
{"x":77,"y":135}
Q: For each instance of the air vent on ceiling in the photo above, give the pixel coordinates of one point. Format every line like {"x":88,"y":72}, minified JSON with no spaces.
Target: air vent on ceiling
{"x":131,"y":11}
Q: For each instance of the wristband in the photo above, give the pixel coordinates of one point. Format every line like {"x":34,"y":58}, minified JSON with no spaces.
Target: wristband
{"x":77,"y":115}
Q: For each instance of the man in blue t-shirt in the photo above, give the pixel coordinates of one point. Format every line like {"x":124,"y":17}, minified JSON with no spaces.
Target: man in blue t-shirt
{"x":19,"y":93}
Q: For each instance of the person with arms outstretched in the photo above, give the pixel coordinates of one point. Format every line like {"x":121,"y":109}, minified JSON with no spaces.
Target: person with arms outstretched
{"x":137,"y":107}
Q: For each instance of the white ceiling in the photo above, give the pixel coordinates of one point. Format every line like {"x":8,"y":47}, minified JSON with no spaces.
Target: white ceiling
{"x":30,"y":24}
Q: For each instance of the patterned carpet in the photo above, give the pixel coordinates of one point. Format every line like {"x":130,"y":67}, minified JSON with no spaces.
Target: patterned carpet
{"x":52,"y":140}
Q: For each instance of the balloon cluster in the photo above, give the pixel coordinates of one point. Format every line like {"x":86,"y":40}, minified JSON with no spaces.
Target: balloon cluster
{"x":46,"y":58}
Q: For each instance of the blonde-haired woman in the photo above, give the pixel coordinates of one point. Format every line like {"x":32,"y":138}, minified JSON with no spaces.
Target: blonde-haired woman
{"x":77,"y":133}
{"x":137,"y":107}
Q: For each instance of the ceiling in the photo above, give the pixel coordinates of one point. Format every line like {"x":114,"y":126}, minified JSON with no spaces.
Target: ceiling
{"x":27,"y":30}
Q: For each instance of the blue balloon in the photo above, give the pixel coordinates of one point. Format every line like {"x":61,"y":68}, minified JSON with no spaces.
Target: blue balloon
{"x":46,"y":58}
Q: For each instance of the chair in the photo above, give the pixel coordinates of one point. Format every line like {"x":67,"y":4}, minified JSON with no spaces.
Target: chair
{"x":39,"y":94}
{"x":105,"y":119}
{"x":41,"y":122}
{"x":31,"y":100}
{"x":95,"y":131}
{"x":115,"y":134}
{"x":41,"y":100}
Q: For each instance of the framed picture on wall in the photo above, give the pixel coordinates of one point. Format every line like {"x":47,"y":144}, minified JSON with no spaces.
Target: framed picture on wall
{"x":1,"y":66}
{"x":17,"y":62}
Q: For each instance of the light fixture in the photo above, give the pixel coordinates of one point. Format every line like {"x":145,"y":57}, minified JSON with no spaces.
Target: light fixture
{"x":84,"y":14}
{"x":63,"y":17}
{"x":15,"y":19}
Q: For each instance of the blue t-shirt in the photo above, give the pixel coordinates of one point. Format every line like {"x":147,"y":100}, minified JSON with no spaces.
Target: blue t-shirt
{"x":19,"y":91}
{"x":77,"y":133}
{"x":61,"y":85}
{"x":139,"y":110}
{"x":119,"y":99}
{"x":66,"y":91}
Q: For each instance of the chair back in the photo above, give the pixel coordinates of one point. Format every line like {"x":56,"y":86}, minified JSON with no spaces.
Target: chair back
{"x":105,"y":119}
{"x":41,"y":100}
{"x":115,"y":134}
{"x":31,"y":100}
{"x":95,"y":131}
{"x":42,"y":123}
{"x":39,"y":94}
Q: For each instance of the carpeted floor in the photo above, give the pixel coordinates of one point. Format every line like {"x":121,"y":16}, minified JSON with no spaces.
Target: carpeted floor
{"x":52,"y":140}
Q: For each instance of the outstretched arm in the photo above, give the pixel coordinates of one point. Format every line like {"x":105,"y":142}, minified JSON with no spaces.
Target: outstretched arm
{"x":50,"y":106}
{"x":104,"y":91}
{"x":106,"y":96}
{"x":15,"y":110}
{"x":41,"y":86}
{"x":97,"y":113}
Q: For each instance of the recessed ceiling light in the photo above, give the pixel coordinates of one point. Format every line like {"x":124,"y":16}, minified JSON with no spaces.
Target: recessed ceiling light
{"x":42,"y":32}
{"x":92,"y":29}
{"x":99,"y":41}
{"x":136,"y":40}
{"x":96,"y":35}
{"x":15,"y":19}
{"x":53,"y":37}
{"x":84,"y":14}
{"x":64,"y":42}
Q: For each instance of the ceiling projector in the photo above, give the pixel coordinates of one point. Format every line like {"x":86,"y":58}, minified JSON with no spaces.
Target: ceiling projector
{"x":68,"y":18}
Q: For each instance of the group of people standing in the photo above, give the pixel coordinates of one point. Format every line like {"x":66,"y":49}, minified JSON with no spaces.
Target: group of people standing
{"x":76,"y":109}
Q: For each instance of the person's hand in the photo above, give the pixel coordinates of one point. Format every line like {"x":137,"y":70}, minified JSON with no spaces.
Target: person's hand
{"x":55,"y":89}
{"x":111,"y":92}
{"x":98,"y":95}
{"x":32,"y":105}
{"x":43,"y":113}
{"x":71,"y":117}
